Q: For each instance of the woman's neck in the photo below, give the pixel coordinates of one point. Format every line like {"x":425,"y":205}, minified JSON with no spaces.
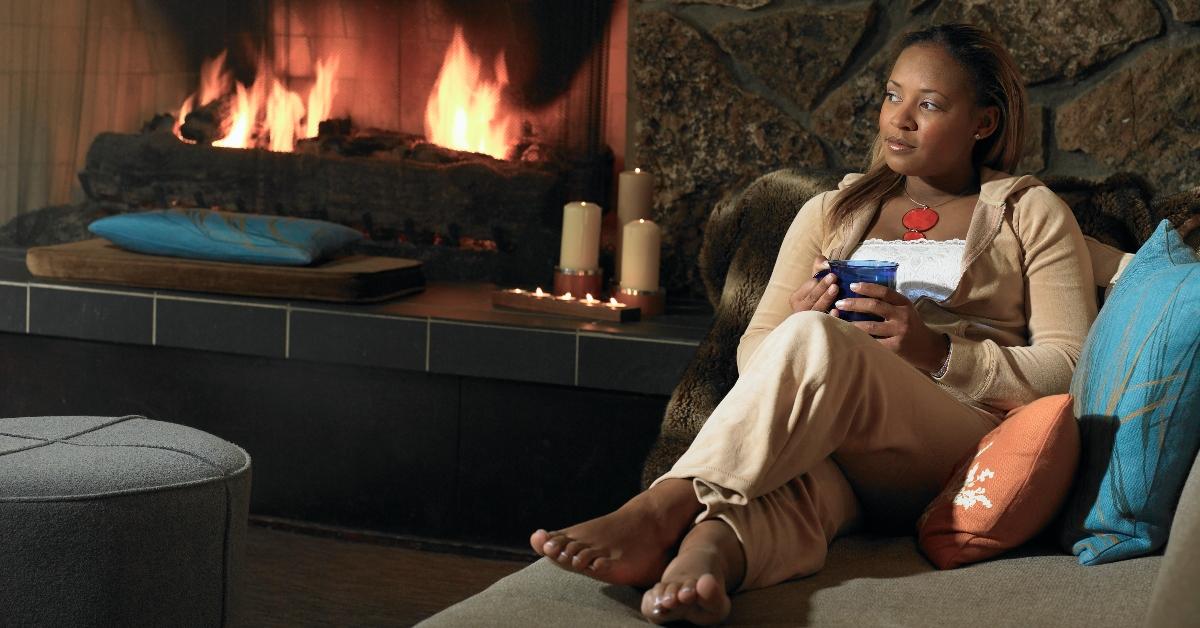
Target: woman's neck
{"x":930,"y":190}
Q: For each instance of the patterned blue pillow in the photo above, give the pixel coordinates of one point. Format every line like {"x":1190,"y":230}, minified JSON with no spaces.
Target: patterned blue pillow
{"x":225,"y":237}
{"x":1137,"y":398}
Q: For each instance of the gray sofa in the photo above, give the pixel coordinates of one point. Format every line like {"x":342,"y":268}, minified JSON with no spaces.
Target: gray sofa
{"x":871,"y":579}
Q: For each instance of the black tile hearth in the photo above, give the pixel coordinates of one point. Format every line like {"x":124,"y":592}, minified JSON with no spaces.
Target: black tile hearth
{"x":502,"y":352}
{"x":632,"y":364}
{"x":90,"y":314}
{"x":222,"y":326}
{"x":12,"y":307}
{"x":328,"y":336}
{"x":450,"y":328}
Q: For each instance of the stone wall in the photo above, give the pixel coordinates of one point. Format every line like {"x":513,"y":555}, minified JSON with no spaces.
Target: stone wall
{"x":725,"y":90}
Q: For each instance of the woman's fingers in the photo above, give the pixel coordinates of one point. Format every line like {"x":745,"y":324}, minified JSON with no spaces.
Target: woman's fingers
{"x":883,"y":293}
{"x":820,"y":263}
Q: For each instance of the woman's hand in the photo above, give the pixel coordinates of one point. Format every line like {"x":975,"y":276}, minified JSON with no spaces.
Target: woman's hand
{"x":901,"y":330}
{"x":815,"y":294}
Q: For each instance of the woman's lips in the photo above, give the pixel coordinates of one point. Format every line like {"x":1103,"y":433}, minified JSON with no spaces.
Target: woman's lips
{"x":898,"y":147}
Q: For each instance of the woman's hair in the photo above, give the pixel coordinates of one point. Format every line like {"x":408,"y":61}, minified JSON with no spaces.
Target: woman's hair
{"x":996,"y":81}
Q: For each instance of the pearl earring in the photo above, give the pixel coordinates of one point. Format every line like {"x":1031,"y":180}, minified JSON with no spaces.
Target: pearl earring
{"x":976,"y":136}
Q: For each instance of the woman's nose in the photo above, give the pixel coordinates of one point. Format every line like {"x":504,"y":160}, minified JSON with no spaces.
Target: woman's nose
{"x":902,"y":118}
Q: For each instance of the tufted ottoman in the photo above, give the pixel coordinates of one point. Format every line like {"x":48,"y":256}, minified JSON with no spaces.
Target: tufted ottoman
{"x":119,"y":522}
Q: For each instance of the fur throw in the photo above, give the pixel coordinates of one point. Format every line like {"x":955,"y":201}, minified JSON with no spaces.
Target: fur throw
{"x":743,"y":235}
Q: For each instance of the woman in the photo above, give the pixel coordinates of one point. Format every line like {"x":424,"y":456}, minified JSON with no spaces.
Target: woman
{"x":831,"y":421}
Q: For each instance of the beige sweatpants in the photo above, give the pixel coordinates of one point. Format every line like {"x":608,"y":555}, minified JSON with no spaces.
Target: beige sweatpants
{"x":823,"y":423}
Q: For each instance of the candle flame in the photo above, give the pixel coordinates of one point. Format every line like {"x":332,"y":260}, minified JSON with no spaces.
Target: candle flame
{"x":539,"y":294}
{"x":567,"y":297}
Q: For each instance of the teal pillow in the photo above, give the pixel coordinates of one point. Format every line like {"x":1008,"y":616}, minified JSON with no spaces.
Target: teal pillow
{"x":1137,"y":399}
{"x":225,"y":237}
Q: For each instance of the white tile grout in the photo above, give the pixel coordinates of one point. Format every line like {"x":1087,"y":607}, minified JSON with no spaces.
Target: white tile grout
{"x":316,"y":310}
{"x":563,"y":332}
{"x":15,"y":284}
{"x":154,"y":321}
{"x":47,"y":286}
{"x":287,"y":333}
{"x":265,"y":306}
{"x":28,"y":301}
{"x":661,"y":341}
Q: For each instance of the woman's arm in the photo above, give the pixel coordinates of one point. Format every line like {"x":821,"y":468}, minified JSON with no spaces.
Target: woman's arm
{"x":793,"y":266}
{"x":1060,"y":305}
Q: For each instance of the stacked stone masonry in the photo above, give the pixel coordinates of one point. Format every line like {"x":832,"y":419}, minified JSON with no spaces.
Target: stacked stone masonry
{"x":726,"y":90}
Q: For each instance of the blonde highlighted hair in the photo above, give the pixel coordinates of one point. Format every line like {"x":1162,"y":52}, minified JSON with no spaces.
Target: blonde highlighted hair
{"x":996,"y":82}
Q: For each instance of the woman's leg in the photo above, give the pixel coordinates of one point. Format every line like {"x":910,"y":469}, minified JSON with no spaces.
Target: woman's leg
{"x":816,"y":386}
{"x":819,"y":387}
{"x":777,"y":536}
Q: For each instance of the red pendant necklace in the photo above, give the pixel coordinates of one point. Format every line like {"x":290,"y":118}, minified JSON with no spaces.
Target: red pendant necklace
{"x":921,"y":218}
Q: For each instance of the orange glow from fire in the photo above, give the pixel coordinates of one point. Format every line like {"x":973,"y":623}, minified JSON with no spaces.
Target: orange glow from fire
{"x":272,"y":120}
{"x":465,"y":112}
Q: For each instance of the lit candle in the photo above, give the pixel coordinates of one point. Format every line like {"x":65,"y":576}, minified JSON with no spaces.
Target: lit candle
{"x":640,"y":255}
{"x":566,"y":297}
{"x":635,"y":199}
{"x":539,"y":294}
{"x":580,"y":236}
{"x":590,"y":300}
{"x":614,"y":303}
{"x":635,"y":191}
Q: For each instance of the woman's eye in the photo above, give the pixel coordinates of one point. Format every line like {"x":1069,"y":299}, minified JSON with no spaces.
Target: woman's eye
{"x":931,"y":106}
{"x":890,"y":96}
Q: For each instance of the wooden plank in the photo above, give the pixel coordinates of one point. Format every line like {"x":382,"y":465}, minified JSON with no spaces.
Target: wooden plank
{"x":354,"y":279}
{"x":575,"y":308}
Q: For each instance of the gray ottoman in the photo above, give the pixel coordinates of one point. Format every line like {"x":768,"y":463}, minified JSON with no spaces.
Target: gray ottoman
{"x":119,"y":522}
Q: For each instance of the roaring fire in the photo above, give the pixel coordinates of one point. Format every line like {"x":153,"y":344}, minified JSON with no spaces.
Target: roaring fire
{"x":464,"y":111}
{"x":273,"y":120}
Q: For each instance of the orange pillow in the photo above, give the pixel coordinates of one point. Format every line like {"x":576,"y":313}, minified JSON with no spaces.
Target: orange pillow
{"x":1005,"y":491}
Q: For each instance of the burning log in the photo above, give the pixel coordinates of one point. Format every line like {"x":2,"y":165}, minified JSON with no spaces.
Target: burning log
{"x":210,"y":122}
{"x":467,"y":216}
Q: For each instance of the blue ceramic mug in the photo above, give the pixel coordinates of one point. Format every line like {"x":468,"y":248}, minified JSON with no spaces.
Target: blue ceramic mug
{"x":850,"y":271}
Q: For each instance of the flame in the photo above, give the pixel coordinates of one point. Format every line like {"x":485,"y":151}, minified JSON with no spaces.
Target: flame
{"x":285,"y":117}
{"x":465,"y":112}
{"x":320,"y":99}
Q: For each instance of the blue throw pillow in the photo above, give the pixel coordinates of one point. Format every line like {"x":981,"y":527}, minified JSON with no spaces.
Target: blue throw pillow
{"x":225,"y":237}
{"x":1137,"y":398}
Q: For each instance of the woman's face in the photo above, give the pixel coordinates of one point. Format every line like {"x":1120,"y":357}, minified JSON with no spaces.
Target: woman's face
{"x":929,"y":117}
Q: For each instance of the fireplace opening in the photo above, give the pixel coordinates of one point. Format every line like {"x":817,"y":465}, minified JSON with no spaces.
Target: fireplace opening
{"x":447,"y":131}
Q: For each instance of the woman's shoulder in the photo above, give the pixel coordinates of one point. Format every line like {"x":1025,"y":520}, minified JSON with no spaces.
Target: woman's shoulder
{"x":1033,"y":206}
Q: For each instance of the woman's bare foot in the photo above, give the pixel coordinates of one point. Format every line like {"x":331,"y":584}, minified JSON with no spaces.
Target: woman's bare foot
{"x":630,"y":546}
{"x":694,"y":587}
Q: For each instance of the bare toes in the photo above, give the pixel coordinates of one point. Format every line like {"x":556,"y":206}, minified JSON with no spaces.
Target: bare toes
{"x":669,"y":597}
{"x":583,"y":560}
{"x":687,"y":592}
{"x":554,"y":546}
{"x":573,"y":548}
{"x":538,"y":539}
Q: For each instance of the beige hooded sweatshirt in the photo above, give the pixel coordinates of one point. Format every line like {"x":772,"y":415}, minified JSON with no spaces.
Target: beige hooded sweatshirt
{"x":1022,"y":308}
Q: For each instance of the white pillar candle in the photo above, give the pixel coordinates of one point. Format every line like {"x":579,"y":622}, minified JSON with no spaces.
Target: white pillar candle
{"x":635,"y":200}
{"x":640,"y":255}
{"x":580,"y":236}
{"x":635,"y":195}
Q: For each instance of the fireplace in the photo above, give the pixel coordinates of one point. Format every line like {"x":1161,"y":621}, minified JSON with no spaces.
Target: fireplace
{"x":448,"y":131}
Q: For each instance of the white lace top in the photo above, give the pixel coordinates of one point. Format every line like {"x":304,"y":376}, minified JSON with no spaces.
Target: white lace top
{"x":927,"y":267}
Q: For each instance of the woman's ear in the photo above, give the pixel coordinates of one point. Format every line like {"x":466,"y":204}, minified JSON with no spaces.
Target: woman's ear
{"x":989,"y":119}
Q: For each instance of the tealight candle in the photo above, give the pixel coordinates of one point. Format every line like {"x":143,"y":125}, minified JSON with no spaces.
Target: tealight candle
{"x":539,"y":294}
{"x":590,"y":300}
{"x":566,"y":297}
{"x":580,"y":246}
{"x":614,"y":303}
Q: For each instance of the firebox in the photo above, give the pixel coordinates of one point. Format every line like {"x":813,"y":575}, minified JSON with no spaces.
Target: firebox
{"x":448,"y":131}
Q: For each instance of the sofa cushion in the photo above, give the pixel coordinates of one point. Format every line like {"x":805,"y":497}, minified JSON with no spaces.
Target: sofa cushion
{"x":1008,"y":489}
{"x":1137,"y":391}
{"x":867,"y":581}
